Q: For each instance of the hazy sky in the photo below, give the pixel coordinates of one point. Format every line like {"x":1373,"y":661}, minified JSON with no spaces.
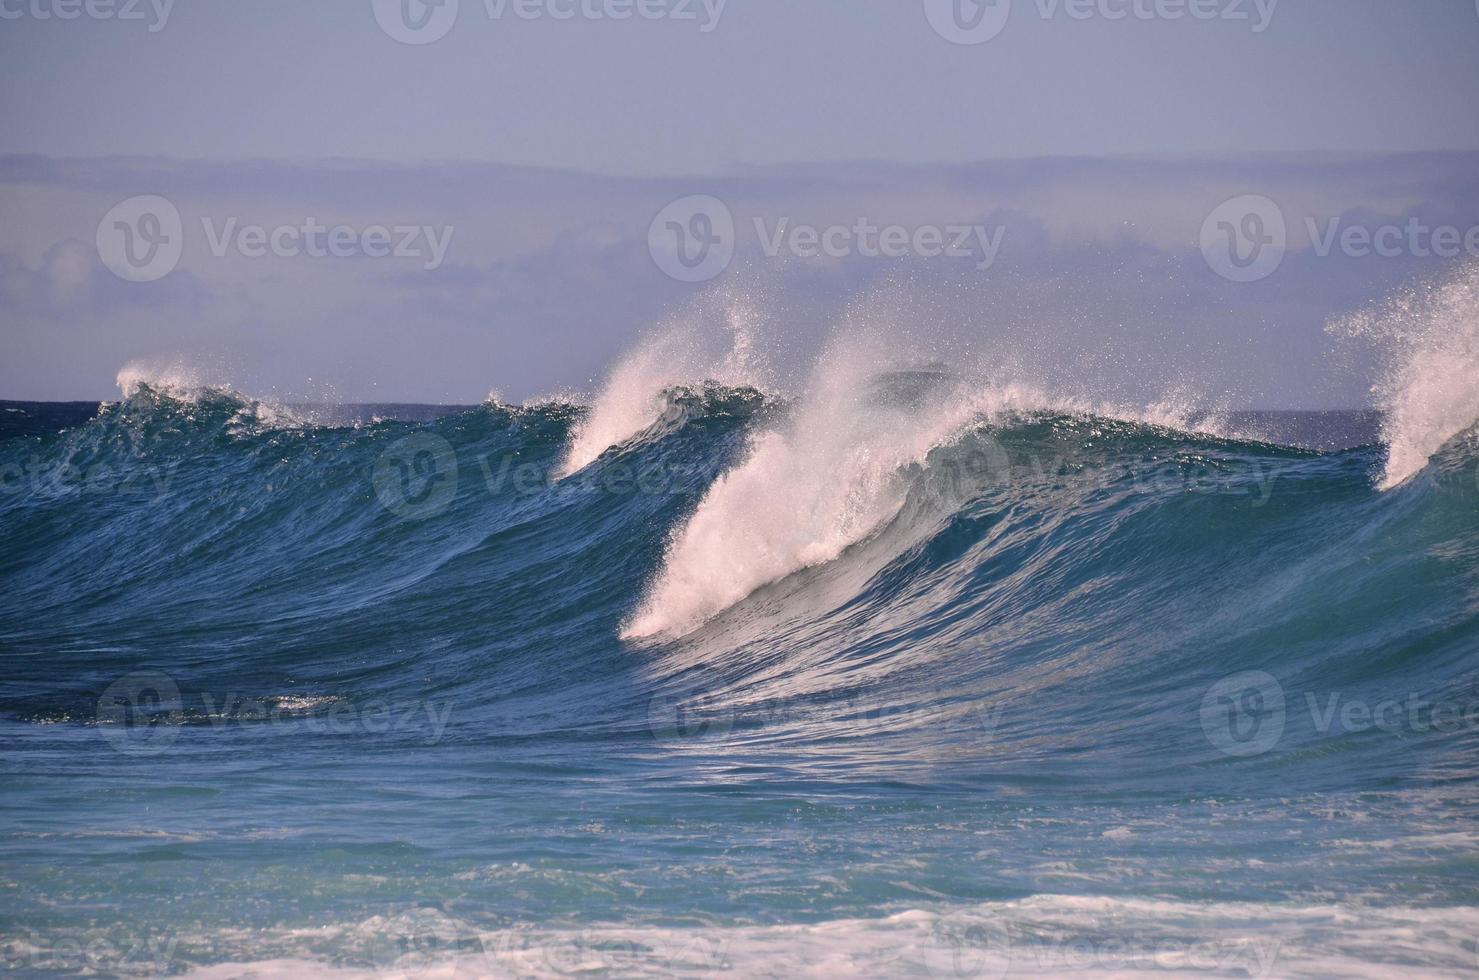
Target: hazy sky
{"x":1108,"y":276}
{"x":765,"y":81}
{"x":1135,"y":154}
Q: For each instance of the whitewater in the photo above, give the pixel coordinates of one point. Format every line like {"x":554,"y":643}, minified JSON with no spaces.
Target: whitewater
{"x":890,"y":663}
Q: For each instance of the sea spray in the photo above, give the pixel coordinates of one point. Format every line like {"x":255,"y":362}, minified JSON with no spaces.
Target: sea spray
{"x":714,"y":339}
{"x":1428,"y":388}
{"x":821,"y":481}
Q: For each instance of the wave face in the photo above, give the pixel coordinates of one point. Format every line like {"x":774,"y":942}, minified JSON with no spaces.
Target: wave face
{"x":903,"y":669}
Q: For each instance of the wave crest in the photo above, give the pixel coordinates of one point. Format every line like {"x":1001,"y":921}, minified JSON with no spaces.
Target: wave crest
{"x":827,"y":477}
{"x":714,"y":341}
{"x":1429,"y":386}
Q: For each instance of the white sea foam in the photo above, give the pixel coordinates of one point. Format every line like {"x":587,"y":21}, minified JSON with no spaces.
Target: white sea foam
{"x":186,"y":383}
{"x":1045,"y":935}
{"x":1429,"y":386}
{"x":826,"y":478}
{"x":173,"y":377}
{"x":715,"y":339}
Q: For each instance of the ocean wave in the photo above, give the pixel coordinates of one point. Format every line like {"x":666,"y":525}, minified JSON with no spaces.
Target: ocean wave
{"x":716,"y":340}
{"x":1428,"y":338}
{"x":1063,"y":649}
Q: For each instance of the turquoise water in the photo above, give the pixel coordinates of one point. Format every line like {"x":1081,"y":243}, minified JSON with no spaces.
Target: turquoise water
{"x":373,"y":692}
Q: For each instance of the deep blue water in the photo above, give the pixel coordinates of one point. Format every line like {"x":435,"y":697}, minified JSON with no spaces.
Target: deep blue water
{"x":349,"y":691}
